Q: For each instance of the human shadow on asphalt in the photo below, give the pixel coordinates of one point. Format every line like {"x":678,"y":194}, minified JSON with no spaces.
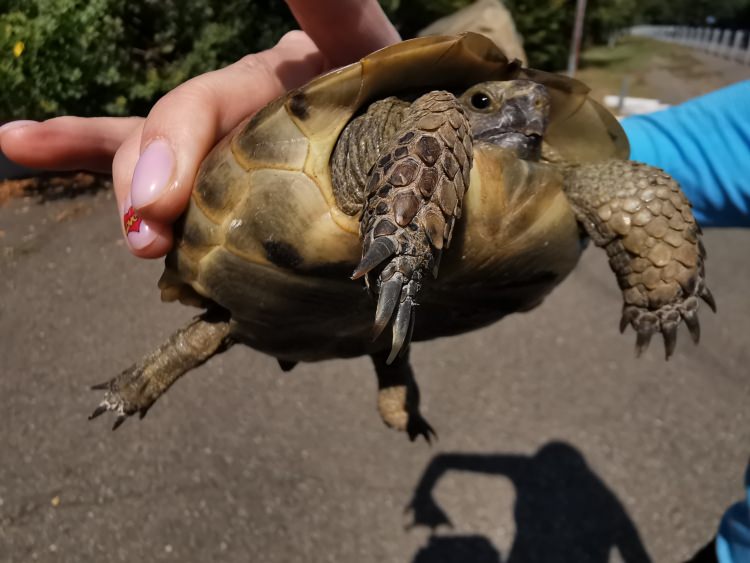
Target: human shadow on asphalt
{"x":564,"y":512}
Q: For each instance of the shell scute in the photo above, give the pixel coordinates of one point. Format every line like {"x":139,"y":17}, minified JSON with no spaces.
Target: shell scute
{"x":264,"y":195}
{"x":271,"y":140}
{"x":285,"y":213}
{"x":218,"y":187}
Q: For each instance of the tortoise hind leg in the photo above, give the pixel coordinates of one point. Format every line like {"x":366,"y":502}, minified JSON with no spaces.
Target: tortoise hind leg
{"x":414,"y":194}
{"x":641,"y":217}
{"x":398,"y":397}
{"x":137,"y":388}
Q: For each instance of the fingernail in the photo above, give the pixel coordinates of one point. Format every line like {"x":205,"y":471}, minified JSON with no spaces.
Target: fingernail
{"x":137,"y":232}
{"x":153,"y":173}
{"x":16,"y":125}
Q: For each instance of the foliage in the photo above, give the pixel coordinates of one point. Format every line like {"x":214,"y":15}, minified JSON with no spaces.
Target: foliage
{"x":605,"y":17}
{"x":410,"y":16}
{"x":55,"y":53}
{"x":171,"y":40}
{"x":90,"y":57}
{"x":546,"y":26}
{"x":117,"y":57}
{"x":727,"y":13}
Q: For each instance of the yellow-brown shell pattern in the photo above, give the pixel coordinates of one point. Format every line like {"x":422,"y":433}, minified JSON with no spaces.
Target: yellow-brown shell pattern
{"x":264,"y":193}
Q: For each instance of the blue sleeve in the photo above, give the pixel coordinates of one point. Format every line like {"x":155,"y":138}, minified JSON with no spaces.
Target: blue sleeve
{"x":733,"y":540}
{"x":705,"y":145}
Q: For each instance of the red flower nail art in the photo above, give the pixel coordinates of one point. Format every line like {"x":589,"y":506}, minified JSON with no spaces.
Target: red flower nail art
{"x":131,"y":221}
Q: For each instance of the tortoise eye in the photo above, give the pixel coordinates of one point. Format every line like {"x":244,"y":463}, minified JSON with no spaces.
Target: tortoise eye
{"x":480,"y":100}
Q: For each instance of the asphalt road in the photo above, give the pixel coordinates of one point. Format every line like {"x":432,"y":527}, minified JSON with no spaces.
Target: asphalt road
{"x":556,"y":444}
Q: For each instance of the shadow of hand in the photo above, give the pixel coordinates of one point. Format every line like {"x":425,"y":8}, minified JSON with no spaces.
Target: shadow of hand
{"x":426,"y":512}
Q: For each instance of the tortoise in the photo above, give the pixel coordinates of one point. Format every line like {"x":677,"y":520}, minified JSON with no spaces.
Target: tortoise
{"x":441,"y":174}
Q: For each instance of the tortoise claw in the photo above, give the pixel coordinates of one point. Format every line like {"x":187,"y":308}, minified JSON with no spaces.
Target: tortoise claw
{"x":628,"y":314}
{"x":98,"y":411}
{"x":390,"y":295}
{"x":691,"y":320}
{"x":399,"y":284}
{"x":643,"y":339}
{"x":708,"y":297}
{"x":123,"y":396}
{"x":669,"y":333}
{"x":665,"y":319}
{"x":381,"y":249}
{"x":418,"y":426}
{"x":118,"y":422}
{"x":645,"y":323}
{"x":402,"y":328}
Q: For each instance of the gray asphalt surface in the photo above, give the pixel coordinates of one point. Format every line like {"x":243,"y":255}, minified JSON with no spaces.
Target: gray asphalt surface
{"x":572,"y":450}
{"x":556,"y":444}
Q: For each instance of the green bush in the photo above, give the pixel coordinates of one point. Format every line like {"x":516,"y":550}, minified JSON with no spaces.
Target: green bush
{"x":116,"y":57}
{"x":55,"y":53}
{"x":545,"y":26}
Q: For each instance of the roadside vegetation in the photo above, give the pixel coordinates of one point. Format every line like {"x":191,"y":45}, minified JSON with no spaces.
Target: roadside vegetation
{"x":116,"y":57}
{"x":605,"y":68}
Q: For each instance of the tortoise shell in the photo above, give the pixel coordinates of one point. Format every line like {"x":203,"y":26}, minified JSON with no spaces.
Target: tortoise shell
{"x":263,"y":236}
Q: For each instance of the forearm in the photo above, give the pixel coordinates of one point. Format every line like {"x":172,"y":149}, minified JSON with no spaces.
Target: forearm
{"x":705,"y":145}
{"x":733,"y":541}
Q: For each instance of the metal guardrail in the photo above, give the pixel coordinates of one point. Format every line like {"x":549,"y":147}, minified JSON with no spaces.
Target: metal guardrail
{"x":730,"y":44}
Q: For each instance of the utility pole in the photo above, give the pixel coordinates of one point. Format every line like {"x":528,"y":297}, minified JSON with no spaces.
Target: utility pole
{"x":575,"y":43}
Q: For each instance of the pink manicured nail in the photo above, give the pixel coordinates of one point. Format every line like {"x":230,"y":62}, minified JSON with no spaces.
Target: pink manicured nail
{"x":154,"y":173}
{"x":137,"y":232}
{"x":16,"y":125}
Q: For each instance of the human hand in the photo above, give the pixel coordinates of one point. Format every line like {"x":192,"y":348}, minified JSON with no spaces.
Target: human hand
{"x":154,"y":160}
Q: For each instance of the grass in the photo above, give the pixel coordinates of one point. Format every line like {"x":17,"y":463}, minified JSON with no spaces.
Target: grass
{"x":604,"y":68}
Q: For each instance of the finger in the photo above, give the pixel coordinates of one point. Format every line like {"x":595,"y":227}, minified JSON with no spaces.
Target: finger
{"x":186,"y":123}
{"x":345,"y":30}
{"x":68,"y":143}
{"x":145,"y":238}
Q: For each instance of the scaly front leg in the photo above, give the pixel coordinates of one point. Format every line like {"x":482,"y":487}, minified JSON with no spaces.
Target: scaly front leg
{"x":640,"y":216}
{"x":414,"y":194}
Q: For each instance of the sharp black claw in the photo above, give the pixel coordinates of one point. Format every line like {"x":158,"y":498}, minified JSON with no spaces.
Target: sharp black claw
{"x":670,"y":339}
{"x":641,"y":343}
{"x":409,"y":333}
{"x":98,"y":411}
{"x":708,"y":297}
{"x":118,"y":422}
{"x":420,"y":427}
{"x":429,"y":434}
{"x":380,"y":249}
{"x":390,"y":295}
{"x":400,"y":329}
{"x":691,"y":320}
{"x":628,"y":314}
{"x":436,"y":264}
{"x":101,"y":386}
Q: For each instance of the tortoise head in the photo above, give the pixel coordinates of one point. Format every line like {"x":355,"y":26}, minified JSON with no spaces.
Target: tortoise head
{"x":512,"y":114}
